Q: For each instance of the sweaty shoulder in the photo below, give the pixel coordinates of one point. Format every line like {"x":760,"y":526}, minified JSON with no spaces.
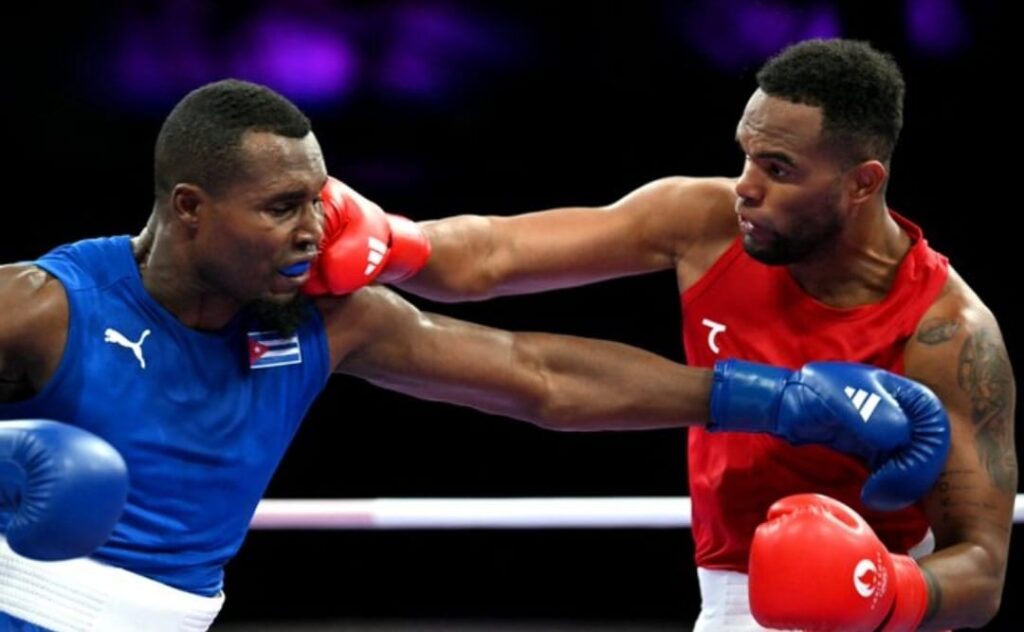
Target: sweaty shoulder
{"x":33,"y":329}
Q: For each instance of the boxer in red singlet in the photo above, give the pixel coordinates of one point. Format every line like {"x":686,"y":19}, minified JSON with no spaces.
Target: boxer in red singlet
{"x":799,"y":258}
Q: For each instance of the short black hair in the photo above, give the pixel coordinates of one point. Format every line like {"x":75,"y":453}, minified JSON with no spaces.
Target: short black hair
{"x":859,"y":90}
{"x":199,"y":141}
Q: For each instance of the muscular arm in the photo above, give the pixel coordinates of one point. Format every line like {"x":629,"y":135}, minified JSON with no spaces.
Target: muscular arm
{"x":558,"y":382}
{"x":33,"y":329}
{"x":476,"y":257}
{"x":959,"y":352}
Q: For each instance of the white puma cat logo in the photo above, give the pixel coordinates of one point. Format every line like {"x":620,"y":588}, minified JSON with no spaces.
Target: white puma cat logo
{"x":116,"y":337}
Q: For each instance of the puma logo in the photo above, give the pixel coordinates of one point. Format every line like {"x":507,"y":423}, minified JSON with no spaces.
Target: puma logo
{"x":114,"y":336}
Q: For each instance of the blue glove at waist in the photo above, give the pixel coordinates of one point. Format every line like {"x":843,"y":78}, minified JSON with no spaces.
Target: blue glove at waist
{"x":65,"y":487}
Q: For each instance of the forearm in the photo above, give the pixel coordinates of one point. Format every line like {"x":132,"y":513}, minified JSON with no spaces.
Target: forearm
{"x":965,"y":584}
{"x":553,"y":381}
{"x":459,"y":268}
{"x":476,"y":257}
{"x":972,"y":519}
{"x":600,"y":385}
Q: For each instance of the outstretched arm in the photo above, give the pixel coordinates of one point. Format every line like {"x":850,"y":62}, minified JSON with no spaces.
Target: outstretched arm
{"x":570,"y":383}
{"x":959,"y":352}
{"x":553,"y":381}
{"x":476,"y":257}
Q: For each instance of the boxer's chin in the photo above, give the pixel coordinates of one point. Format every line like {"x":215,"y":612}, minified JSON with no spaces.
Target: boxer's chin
{"x":283,"y":316}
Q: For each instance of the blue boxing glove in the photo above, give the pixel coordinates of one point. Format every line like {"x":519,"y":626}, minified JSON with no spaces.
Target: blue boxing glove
{"x":65,"y":487}
{"x":897,"y":425}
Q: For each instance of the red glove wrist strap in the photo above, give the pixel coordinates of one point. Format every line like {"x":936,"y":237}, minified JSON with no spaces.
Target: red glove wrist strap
{"x":911,"y":600}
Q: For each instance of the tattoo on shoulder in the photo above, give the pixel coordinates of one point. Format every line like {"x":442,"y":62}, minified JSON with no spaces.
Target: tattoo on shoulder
{"x":984,"y":373}
{"x":937,"y":330}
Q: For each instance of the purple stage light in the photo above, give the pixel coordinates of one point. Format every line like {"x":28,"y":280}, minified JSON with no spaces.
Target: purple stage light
{"x":938,"y":27}
{"x":307,"y":61}
{"x":736,"y":33}
{"x":433,"y":46}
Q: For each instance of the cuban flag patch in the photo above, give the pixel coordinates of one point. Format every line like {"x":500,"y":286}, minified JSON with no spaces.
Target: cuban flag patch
{"x":268,"y":349}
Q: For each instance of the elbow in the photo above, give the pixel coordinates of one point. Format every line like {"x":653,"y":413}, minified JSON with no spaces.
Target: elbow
{"x":991,"y":596}
{"x":462,"y":266}
{"x":988,"y":605}
{"x":461,"y":290}
{"x":477,"y":281}
{"x":544,"y":401}
{"x":993,"y":608}
{"x":570,"y":411}
{"x":549,"y":411}
{"x":982,"y":612}
{"x":559,"y":392}
{"x":984,"y":604}
{"x":552,"y":416}
{"x":444,"y":285}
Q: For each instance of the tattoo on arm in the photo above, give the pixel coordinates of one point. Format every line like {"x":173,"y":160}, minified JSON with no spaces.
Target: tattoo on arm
{"x":937,"y":330}
{"x":958,"y":493}
{"x":984,"y":373}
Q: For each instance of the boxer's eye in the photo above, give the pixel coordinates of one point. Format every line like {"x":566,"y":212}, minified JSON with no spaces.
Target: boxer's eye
{"x":283,"y":211}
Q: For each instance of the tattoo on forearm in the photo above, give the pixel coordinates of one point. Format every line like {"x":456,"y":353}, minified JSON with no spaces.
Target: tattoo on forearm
{"x":937,"y":330}
{"x":957,"y":492}
{"x":984,"y":374}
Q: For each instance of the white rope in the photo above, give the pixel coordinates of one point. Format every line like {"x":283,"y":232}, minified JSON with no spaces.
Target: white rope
{"x":473,"y":513}
{"x":485,"y":513}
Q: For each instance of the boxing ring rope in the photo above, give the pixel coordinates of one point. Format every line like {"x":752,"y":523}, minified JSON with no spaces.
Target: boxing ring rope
{"x":486,"y":513}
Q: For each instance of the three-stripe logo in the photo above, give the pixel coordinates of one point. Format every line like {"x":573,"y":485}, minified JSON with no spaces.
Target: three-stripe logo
{"x":377,"y":250}
{"x":864,"y":402}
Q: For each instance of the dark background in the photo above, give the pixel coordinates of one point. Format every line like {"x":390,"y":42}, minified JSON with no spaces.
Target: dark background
{"x":447,"y":107}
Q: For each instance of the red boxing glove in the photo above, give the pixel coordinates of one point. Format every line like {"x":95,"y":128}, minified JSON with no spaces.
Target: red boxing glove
{"x":815,"y":564}
{"x":363,"y":244}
